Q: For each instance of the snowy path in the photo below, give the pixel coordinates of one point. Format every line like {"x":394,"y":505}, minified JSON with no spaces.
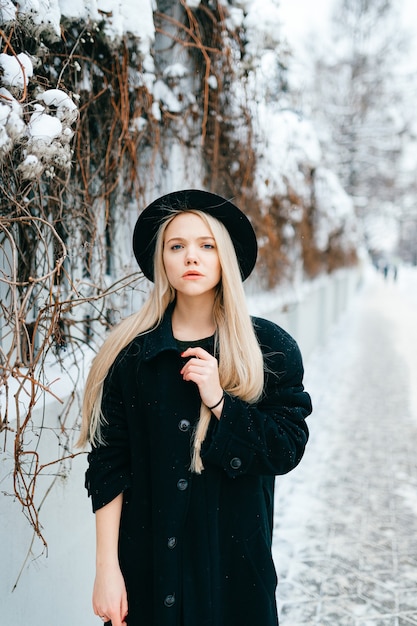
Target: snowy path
{"x":346,"y":519}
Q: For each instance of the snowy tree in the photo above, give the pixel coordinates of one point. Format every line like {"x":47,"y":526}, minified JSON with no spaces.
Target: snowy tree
{"x":361,"y":97}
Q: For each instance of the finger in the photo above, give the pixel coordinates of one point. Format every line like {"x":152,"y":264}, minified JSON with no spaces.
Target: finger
{"x":107,"y":617}
{"x":200,"y":374}
{"x":117,"y":621}
{"x":197,"y":352}
{"x":195,"y":378}
{"x":196,"y":367}
{"x":124,"y":610}
{"x":194,"y":363}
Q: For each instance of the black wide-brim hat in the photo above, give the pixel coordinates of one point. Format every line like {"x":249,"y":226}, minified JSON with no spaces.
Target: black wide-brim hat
{"x":237,"y":224}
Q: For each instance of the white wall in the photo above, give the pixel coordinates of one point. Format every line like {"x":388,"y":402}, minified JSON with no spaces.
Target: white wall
{"x":310,"y":318}
{"x":55,"y":589}
{"x":54,"y":586}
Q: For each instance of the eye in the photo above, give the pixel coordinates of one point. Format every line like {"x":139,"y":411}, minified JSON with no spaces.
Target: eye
{"x":208,"y":246}
{"x":176,"y":246}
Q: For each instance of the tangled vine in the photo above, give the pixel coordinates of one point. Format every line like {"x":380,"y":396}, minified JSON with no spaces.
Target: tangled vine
{"x":67,"y":205}
{"x":63,"y":279}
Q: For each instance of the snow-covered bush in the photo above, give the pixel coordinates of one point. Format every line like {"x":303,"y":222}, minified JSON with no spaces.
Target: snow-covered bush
{"x":37,"y":134}
{"x":102,"y":109}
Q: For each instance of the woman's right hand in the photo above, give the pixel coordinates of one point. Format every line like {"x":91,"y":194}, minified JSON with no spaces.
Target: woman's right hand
{"x":109,"y":596}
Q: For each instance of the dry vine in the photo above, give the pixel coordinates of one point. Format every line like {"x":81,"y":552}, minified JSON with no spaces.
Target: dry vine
{"x":43,"y":337}
{"x":61,"y":285}
{"x":57,"y":291}
{"x":63,"y":277}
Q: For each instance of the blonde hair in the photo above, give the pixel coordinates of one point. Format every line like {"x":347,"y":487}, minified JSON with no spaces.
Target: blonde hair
{"x":241,"y":369}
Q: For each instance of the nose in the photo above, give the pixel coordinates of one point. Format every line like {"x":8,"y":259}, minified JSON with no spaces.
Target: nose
{"x":191,"y":258}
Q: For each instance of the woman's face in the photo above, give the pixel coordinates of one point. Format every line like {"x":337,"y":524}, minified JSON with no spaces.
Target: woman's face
{"x":190,"y":256}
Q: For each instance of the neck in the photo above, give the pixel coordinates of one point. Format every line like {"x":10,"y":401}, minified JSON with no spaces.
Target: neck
{"x":192,"y":318}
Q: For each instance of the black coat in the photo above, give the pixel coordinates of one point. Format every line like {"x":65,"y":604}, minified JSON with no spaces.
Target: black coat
{"x":195,"y":550}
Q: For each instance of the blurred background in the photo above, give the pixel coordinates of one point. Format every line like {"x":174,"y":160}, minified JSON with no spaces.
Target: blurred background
{"x":304,"y":114}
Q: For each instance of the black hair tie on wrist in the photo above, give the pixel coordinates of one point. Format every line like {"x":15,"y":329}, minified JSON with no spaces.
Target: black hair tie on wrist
{"x":217,"y":403}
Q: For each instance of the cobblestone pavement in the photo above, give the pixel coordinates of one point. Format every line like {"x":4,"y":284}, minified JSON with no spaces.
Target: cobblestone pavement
{"x":345,"y":542}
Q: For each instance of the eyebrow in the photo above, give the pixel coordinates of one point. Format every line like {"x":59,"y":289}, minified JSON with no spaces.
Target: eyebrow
{"x":204,"y":238}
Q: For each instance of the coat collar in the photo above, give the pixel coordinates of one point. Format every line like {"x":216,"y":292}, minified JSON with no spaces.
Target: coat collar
{"x":160,"y":338}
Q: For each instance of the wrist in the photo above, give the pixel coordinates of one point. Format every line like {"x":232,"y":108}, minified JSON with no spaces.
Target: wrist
{"x":107,"y":562}
{"x":217,"y":404}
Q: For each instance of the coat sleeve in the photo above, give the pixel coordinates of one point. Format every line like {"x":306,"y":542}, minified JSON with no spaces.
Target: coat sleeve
{"x":267,"y":438}
{"x":108,"y":472}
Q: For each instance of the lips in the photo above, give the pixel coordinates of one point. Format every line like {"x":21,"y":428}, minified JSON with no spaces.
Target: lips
{"x":192,"y":274}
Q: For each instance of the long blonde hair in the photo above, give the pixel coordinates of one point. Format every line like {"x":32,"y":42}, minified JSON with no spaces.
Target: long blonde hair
{"x":241,"y":369}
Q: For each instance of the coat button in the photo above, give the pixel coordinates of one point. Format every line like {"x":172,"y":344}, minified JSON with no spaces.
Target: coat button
{"x":172,"y":542}
{"x":235,"y":463}
{"x":184,"y":425}
{"x":169,"y":600}
{"x":182,"y":484}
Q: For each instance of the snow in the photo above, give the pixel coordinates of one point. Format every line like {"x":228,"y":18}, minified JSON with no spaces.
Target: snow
{"x":130,"y":16}
{"x":289,"y":150}
{"x":166,"y":97}
{"x":384,"y":232}
{"x":48,"y":130}
{"x":12,"y":126}
{"x":287,"y":145}
{"x":177,"y":70}
{"x":334,"y":210}
{"x":235,"y":17}
{"x":16,"y":70}
{"x":286,"y":142}
{"x":48,"y":135}
{"x":302,"y":18}
{"x":291,"y":140}
{"x":348,"y":511}
{"x":44,"y":126}
{"x":63,"y":103}
{"x":7,"y":11}
{"x":263,"y":25}
{"x":44,"y":15}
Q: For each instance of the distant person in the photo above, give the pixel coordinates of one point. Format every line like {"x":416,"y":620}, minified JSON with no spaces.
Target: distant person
{"x":191,"y":407}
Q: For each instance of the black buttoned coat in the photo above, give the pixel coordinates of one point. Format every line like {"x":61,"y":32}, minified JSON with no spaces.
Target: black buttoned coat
{"x":195,"y":550}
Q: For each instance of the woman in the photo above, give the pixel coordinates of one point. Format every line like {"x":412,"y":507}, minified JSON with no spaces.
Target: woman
{"x":192,"y":408}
